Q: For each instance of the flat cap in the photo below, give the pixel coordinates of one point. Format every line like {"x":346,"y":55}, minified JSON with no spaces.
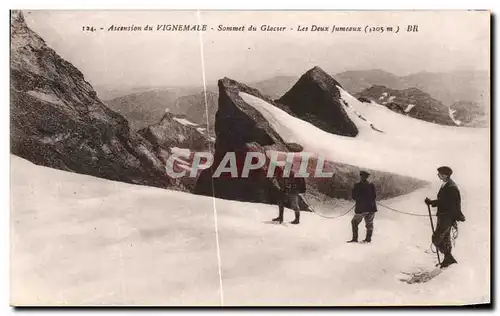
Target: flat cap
{"x":364,"y":173}
{"x":445,"y":170}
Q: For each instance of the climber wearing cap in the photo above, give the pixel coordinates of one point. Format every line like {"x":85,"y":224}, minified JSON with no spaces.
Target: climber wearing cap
{"x":449,"y":211}
{"x":364,"y":195}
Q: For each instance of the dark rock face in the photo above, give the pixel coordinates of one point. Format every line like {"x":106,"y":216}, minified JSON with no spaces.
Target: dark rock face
{"x":58,"y":121}
{"x":411,"y":102}
{"x":315,"y":99}
{"x":240,"y":129}
{"x":237,"y":123}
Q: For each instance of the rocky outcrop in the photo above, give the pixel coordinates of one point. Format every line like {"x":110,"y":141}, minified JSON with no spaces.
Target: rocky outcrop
{"x":411,"y":102}
{"x":469,"y":114}
{"x":240,"y":129}
{"x":58,"y":121}
{"x":315,"y":98}
{"x":177,"y":131}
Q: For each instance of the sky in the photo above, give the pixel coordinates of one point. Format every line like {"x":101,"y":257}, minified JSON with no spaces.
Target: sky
{"x":446,"y":41}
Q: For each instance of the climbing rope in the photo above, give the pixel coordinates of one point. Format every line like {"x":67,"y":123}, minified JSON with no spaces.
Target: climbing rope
{"x":454,"y":228}
{"x":332,"y":217}
{"x":347,"y":212}
{"x":453,"y":237}
{"x":453,"y":232}
{"x":324,"y":216}
{"x":395,"y":210}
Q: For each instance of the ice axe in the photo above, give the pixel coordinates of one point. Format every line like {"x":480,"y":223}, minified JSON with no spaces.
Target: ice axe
{"x":432,"y":227}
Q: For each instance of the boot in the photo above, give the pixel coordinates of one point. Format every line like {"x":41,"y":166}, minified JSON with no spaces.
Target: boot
{"x":281,"y":210}
{"x":278,"y":219}
{"x":368,"y":238}
{"x":447,"y":261}
{"x":354,"y":234}
{"x":297,"y":218}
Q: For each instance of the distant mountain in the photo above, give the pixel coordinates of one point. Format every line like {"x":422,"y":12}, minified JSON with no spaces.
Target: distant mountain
{"x":453,"y":86}
{"x":145,"y":108}
{"x":275,"y":87}
{"x":447,"y":87}
{"x":193,"y":106}
{"x":411,"y":102}
{"x":110,"y":92}
{"x":358,"y":80}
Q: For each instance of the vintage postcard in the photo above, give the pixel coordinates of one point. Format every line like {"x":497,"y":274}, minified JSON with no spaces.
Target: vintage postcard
{"x":250,"y":158}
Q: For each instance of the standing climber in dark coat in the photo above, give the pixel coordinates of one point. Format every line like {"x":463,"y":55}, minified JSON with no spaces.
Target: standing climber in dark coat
{"x":288,"y":190}
{"x":449,"y":211}
{"x":364,"y":195}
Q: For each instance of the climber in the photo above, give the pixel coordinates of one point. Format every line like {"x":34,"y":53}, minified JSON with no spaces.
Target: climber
{"x":288,"y":188}
{"x":449,"y":211}
{"x":364,"y":195}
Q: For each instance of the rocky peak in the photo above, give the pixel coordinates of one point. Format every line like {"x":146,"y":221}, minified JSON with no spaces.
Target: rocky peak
{"x":316,"y":98}
{"x":237,"y":123}
{"x":320,"y":76}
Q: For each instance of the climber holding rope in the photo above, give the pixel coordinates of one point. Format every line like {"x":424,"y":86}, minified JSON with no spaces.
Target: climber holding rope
{"x":449,"y":211}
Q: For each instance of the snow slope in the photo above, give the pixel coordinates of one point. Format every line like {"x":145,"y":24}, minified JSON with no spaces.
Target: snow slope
{"x":90,"y":241}
{"x":405,"y":146}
